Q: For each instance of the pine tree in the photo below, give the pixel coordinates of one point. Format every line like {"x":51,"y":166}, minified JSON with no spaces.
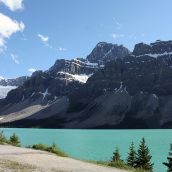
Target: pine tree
{"x":116,"y":156}
{"x":169,"y":159}
{"x":143,"y":158}
{"x":131,"y":159}
{"x":14,"y":140}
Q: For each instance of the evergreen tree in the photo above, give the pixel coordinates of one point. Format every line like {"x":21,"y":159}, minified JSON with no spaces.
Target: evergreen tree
{"x":14,"y":140}
{"x":143,"y":158}
{"x":131,"y":159}
{"x":116,"y":156}
{"x":169,"y":159}
{"x":3,"y":139}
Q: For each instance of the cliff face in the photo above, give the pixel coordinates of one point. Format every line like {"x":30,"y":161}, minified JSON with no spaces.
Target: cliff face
{"x":104,"y":52}
{"x":127,"y":91}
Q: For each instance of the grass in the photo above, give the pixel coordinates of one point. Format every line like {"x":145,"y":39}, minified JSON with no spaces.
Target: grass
{"x":7,"y":165}
{"x":53,"y":149}
{"x":119,"y":165}
{"x":14,"y":141}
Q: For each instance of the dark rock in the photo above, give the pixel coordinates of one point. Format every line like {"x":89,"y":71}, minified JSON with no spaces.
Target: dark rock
{"x":104,"y":52}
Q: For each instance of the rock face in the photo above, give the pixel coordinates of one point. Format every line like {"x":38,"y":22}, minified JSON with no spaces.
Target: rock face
{"x":131,"y":91}
{"x":13,"y":82}
{"x":104,"y":52}
{"x":7,"y":85}
{"x":158,"y":48}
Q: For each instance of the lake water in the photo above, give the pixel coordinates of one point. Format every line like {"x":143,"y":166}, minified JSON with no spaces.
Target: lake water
{"x":99,"y":144}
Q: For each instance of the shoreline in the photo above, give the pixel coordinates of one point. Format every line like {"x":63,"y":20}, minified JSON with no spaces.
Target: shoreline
{"x":19,"y":159}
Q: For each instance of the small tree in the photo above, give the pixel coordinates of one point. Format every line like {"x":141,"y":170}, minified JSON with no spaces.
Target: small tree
{"x":3,"y":139}
{"x":116,"y":156}
{"x":169,"y":159}
{"x":131,"y":159}
{"x":14,"y":140}
{"x":143,"y":158}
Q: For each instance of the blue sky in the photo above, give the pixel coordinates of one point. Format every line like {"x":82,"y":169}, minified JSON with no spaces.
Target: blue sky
{"x":34,"y":33}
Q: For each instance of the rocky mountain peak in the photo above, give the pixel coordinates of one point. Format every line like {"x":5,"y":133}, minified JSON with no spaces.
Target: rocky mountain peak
{"x":156,"y":49}
{"x":104,"y":52}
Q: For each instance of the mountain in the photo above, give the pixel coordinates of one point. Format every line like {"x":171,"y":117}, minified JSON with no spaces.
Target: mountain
{"x":7,"y":85}
{"x":109,"y":89}
{"x":104,"y":52}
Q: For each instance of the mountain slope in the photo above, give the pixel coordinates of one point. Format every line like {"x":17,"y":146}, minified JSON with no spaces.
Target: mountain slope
{"x":131,"y":91}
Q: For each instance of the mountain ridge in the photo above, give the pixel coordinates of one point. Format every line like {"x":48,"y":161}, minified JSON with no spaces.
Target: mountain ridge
{"x":131,"y":91}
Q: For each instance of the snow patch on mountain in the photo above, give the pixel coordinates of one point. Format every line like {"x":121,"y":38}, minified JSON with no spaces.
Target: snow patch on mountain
{"x":156,"y":55}
{"x":4,"y":90}
{"x":81,"y":78}
{"x":2,"y":78}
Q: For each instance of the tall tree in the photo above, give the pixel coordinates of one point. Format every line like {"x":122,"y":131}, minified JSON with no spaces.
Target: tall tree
{"x":131,"y":159}
{"x":116,"y":156}
{"x":169,"y":159}
{"x":143,"y":158}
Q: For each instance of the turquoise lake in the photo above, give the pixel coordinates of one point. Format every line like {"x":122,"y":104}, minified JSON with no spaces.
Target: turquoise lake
{"x":99,"y":144}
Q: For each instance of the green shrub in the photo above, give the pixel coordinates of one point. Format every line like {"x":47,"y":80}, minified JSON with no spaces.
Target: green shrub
{"x":39,"y":146}
{"x":53,"y":149}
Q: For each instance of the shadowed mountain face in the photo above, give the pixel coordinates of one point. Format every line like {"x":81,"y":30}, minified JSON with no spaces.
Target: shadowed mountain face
{"x":104,"y":52}
{"x":111,"y":88}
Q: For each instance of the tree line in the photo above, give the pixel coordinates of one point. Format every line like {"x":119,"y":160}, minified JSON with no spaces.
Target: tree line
{"x":140,"y":159}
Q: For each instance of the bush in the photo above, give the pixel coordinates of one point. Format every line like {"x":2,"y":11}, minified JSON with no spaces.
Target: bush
{"x":39,"y":147}
{"x":53,"y":149}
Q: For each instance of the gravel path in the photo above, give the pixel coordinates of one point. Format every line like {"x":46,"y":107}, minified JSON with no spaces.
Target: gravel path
{"x":14,"y":159}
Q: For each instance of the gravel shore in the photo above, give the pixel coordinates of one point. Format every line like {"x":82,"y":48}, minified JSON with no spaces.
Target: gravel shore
{"x":14,"y":159}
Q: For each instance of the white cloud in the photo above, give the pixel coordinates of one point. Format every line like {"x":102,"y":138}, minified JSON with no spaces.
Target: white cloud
{"x":15,"y":58}
{"x":7,"y":28}
{"x":43,"y":38}
{"x":115,"y":36}
{"x":31,"y":70}
{"x":62,"y":49}
{"x":13,"y":5}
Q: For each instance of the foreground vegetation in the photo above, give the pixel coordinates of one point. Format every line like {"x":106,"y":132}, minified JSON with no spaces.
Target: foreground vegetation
{"x":9,"y":165}
{"x":137,"y":161}
{"x":13,"y":140}
{"x":168,"y":164}
{"x":53,"y":149}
